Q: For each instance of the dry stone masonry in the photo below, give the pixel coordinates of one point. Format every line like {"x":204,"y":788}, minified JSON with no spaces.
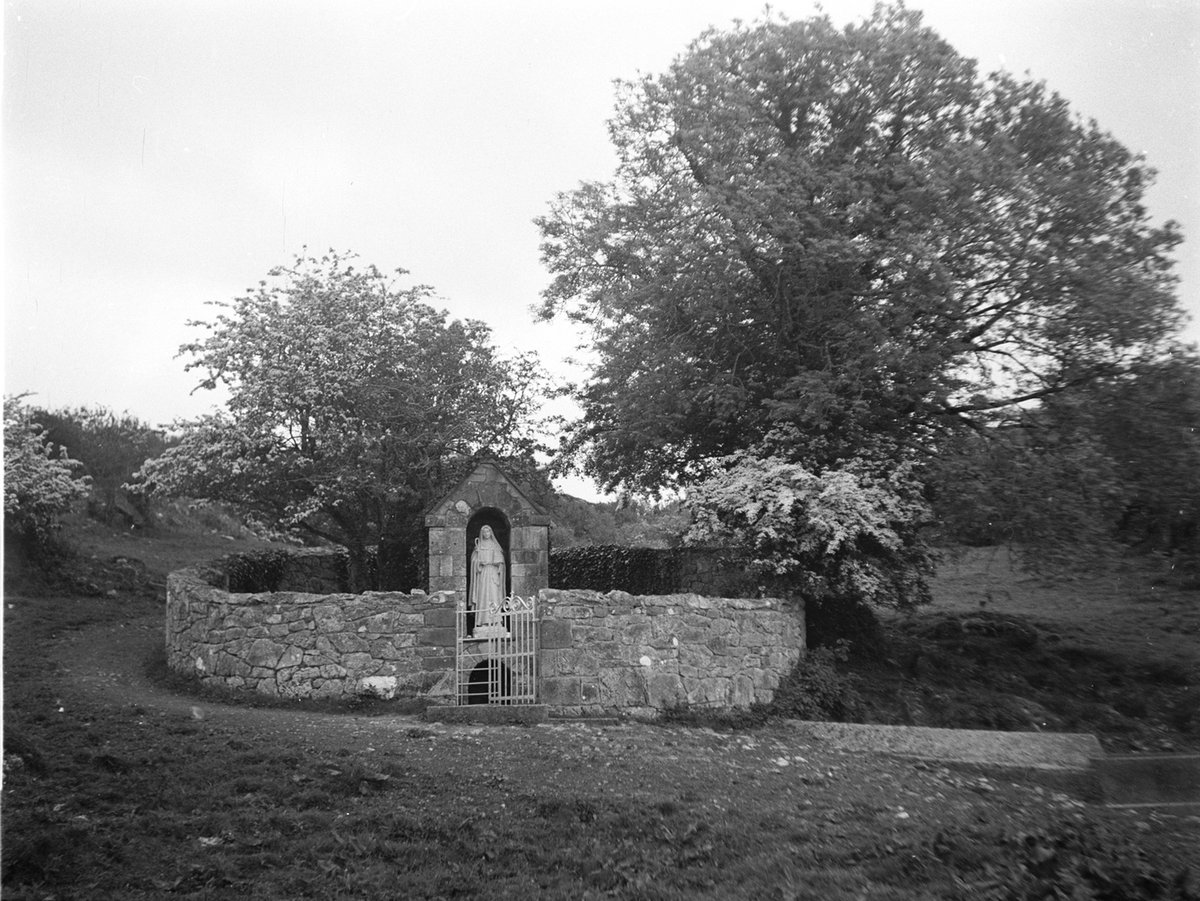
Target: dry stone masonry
{"x":298,"y":645}
{"x":585,"y":653}
{"x":608,"y":653}
{"x":618,"y":653}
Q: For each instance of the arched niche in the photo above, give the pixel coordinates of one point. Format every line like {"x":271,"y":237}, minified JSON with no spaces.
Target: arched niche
{"x":489,"y":516}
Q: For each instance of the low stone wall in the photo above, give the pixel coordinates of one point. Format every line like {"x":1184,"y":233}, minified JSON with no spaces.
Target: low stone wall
{"x":298,"y":645}
{"x":620,"y":653}
{"x":600,"y":654}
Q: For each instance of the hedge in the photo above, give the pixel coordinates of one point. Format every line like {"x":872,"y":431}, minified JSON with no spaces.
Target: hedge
{"x":637,"y":570}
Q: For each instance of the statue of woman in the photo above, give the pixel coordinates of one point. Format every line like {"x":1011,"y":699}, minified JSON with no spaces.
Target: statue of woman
{"x":487,"y":579}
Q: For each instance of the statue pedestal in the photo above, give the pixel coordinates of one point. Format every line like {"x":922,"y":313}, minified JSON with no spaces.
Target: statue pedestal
{"x":490,"y":632}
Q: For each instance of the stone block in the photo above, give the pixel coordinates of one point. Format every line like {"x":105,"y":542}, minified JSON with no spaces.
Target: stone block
{"x":581,"y":660}
{"x":292,"y":656}
{"x":560,"y":691}
{"x":636,"y":633}
{"x":359,"y":663}
{"x":589,"y":693}
{"x":719,"y":645}
{"x":263,"y":652}
{"x":556,"y":634}
{"x":438,"y":662}
{"x":440,"y":618}
{"x":665,"y":689}
{"x":346,"y":643}
{"x":437,"y":638}
{"x":742,"y":694}
{"x":378,"y":686}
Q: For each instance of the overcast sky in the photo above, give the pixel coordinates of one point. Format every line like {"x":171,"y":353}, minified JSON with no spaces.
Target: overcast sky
{"x":158,"y":155}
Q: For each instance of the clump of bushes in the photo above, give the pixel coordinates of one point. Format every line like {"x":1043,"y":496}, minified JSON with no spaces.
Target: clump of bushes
{"x":41,"y":482}
{"x":109,"y":448}
{"x":844,"y":623}
{"x":258,"y":571}
{"x":816,"y":690}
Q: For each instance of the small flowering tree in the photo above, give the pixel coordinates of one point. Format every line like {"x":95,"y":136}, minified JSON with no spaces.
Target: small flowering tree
{"x":40,"y":484}
{"x":843,"y":533}
{"x":352,"y":404}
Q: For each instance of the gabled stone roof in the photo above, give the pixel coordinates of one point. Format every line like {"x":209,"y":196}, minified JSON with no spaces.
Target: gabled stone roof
{"x":487,"y":486}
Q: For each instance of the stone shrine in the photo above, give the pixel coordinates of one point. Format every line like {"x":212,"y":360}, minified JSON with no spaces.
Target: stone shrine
{"x":571,"y":651}
{"x":488,"y":497}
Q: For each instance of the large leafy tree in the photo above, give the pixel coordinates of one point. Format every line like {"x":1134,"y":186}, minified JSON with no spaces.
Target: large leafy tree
{"x":352,"y":403}
{"x":1115,"y":462}
{"x":851,"y":239}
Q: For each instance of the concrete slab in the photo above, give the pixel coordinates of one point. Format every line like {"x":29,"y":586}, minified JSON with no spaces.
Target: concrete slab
{"x":1142,"y":779}
{"x":1049,"y":751}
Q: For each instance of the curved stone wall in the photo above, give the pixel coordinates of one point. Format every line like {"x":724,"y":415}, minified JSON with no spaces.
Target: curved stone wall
{"x":300,"y":645}
{"x":610,"y":653}
{"x":637,"y":654}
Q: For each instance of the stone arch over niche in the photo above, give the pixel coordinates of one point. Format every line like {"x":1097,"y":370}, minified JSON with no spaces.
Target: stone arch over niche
{"x":487,"y":496}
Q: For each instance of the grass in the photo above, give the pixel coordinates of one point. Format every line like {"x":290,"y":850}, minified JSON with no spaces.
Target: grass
{"x":115,"y":790}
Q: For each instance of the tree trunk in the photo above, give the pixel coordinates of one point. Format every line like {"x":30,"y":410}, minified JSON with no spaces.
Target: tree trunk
{"x":357,"y":568}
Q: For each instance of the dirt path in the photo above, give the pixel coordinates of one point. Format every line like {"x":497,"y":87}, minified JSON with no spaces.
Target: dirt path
{"x":107,"y":663}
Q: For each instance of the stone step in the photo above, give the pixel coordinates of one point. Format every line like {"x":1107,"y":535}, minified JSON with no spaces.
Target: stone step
{"x":489,"y":714}
{"x":584,"y":720}
{"x":1151,"y":780}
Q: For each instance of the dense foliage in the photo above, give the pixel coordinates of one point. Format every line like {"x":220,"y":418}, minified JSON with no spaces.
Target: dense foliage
{"x":848,"y":532}
{"x":637,"y":570}
{"x":627,"y":522}
{"x":40,"y":481}
{"x":852,"y":231}
{"x":843,"y":250}
{"x":110,"y":447}
{"x":353,"y":404}
{"x":1117,"y":463}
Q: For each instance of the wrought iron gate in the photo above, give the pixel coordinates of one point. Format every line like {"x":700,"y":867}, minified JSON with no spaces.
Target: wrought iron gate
{"x":497,"y":664}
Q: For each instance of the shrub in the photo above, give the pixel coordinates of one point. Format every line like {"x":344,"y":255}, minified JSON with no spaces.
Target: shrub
{"x":40,"y":484}
{"x":850,"y":532}
{"x":258,"y":571}
{"x":110,"y":447}
{"x":815,"y":690}
{"x":845,"y":622}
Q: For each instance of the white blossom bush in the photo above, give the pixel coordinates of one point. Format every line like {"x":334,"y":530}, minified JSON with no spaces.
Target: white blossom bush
{"x":845,"y":533}
{"x":40,"y":484}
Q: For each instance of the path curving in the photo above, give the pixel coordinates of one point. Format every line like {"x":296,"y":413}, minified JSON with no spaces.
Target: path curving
{"x":108,"y":662}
